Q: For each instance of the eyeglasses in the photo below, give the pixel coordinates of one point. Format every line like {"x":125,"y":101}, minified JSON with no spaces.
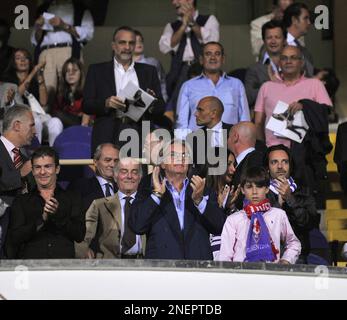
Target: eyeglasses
{"x":291,"y":58}
{"x":179,"y":156}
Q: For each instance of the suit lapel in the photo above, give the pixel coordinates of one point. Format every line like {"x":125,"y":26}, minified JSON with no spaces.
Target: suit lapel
{"x":141,"y":76}
{"x":113,"y":207}
{"x":7,"y":158}
{"x":109,"y":74}
{"x":95,"y":185}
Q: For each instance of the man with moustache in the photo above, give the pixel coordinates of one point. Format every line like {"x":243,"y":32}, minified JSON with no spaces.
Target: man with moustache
{"x":105,"y":80}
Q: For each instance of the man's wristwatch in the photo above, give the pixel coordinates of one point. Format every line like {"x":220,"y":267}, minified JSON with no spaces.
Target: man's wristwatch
{"x":157,"y":193}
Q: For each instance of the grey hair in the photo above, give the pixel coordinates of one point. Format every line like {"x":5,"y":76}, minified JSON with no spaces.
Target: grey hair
{"x":15,"y":113}
{"x":124,"y":160}
{"x":98,"y":150}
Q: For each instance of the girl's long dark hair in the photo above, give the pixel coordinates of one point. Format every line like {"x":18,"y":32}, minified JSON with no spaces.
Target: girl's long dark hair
{"x":65,"y":90}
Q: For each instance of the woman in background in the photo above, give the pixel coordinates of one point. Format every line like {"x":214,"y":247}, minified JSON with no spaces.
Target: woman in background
{"x":68,"y":106}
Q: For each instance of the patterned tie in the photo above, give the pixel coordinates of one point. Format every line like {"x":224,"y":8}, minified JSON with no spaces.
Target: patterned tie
{"x":108,"y":190}
{"x":129,"y":237}
{"x":17,"y":161}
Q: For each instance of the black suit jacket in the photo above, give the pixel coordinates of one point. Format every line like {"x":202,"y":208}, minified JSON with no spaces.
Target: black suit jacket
{"x":165,"y":239}
{"x":55,"y":239}
{"x":101,"y":84}
{"x":89,"y":188}
{"x":201,"y":150}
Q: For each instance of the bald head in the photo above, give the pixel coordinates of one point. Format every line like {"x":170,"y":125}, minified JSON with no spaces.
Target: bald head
{"x":209,"y":111}
{"x":242,"y":136}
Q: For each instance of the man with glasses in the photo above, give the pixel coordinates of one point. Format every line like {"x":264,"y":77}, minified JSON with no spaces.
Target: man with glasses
{"x":293,"y":87}
{"x":177,"y":214}
{"x":212,"y":82}
{"x":45,"y":222}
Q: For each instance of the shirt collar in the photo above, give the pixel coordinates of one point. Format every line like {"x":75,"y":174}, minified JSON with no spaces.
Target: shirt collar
{"x":102,"y":180}
{"x":302,"y":77}
{"x":217,"y":127}
{"x":172,"y":188}
{"x":122,"y":195}
{"x":203,"y":75}
{"x":119,"y":66}
{"x":291,"y":39}
{"x":8,"y":144}
{"x":243,"y":155}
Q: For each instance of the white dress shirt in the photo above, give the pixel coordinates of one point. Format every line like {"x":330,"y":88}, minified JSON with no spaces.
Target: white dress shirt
{"x":66,"y":13}
{"x":291,"y":40}
{"x":123,"y":76}
{"x":138,"y":245}
{"x":217,"y":135}
{"x":9,"y":146}
{"x":209,"y":32}
{"x":103,"y":183}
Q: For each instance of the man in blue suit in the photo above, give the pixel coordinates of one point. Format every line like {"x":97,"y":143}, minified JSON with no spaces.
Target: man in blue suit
{"x":177,"y":214}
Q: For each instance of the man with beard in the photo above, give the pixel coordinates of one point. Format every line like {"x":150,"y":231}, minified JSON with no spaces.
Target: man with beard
{"x":104,"y":82}
{"x":295,"y":200}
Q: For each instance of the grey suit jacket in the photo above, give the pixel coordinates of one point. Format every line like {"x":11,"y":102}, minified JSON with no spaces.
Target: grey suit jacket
{"x":256,"y":75}
{"x":103,"y":220}
{"x":10,"y":178}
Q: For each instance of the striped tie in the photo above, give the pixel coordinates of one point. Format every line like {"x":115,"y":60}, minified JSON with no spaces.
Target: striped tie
{"x":17,"y":161}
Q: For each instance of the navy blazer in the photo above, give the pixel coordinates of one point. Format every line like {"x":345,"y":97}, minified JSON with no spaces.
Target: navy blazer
{"x":164,"y":237}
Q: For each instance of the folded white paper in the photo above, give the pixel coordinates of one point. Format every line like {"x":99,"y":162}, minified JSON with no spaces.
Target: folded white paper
{"x":137,"y":101}
{"x":285,"y":125}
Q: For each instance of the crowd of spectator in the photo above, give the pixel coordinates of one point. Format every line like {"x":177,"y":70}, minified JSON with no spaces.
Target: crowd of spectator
{"x":215,"y":184}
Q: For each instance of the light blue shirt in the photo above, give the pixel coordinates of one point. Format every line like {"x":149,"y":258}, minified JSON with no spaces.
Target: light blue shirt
{"x":228,"y":89}
{"x":179,"y":200}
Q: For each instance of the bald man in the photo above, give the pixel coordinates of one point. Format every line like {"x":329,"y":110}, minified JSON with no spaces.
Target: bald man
{"x":242,"y":143}
{"x":208,"y":114}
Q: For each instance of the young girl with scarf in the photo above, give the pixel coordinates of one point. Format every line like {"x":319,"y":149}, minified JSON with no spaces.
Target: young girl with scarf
{"x":254,"y":234}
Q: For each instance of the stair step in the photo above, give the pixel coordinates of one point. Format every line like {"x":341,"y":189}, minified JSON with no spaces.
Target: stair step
{"x":340,"y":235}
{"x":335,"y":214}
{"x":337,"y":224}
{"x":333,"y":204}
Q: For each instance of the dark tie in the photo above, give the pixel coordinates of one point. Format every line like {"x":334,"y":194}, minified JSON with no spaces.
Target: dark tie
{"x":108,"y":190}
{"x":129,"y":237}
{"x":17,"y":161}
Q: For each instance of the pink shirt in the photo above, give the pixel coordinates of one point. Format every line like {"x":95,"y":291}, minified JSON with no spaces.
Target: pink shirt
{"x":271,"y":92}
{"x":235,"y":232}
